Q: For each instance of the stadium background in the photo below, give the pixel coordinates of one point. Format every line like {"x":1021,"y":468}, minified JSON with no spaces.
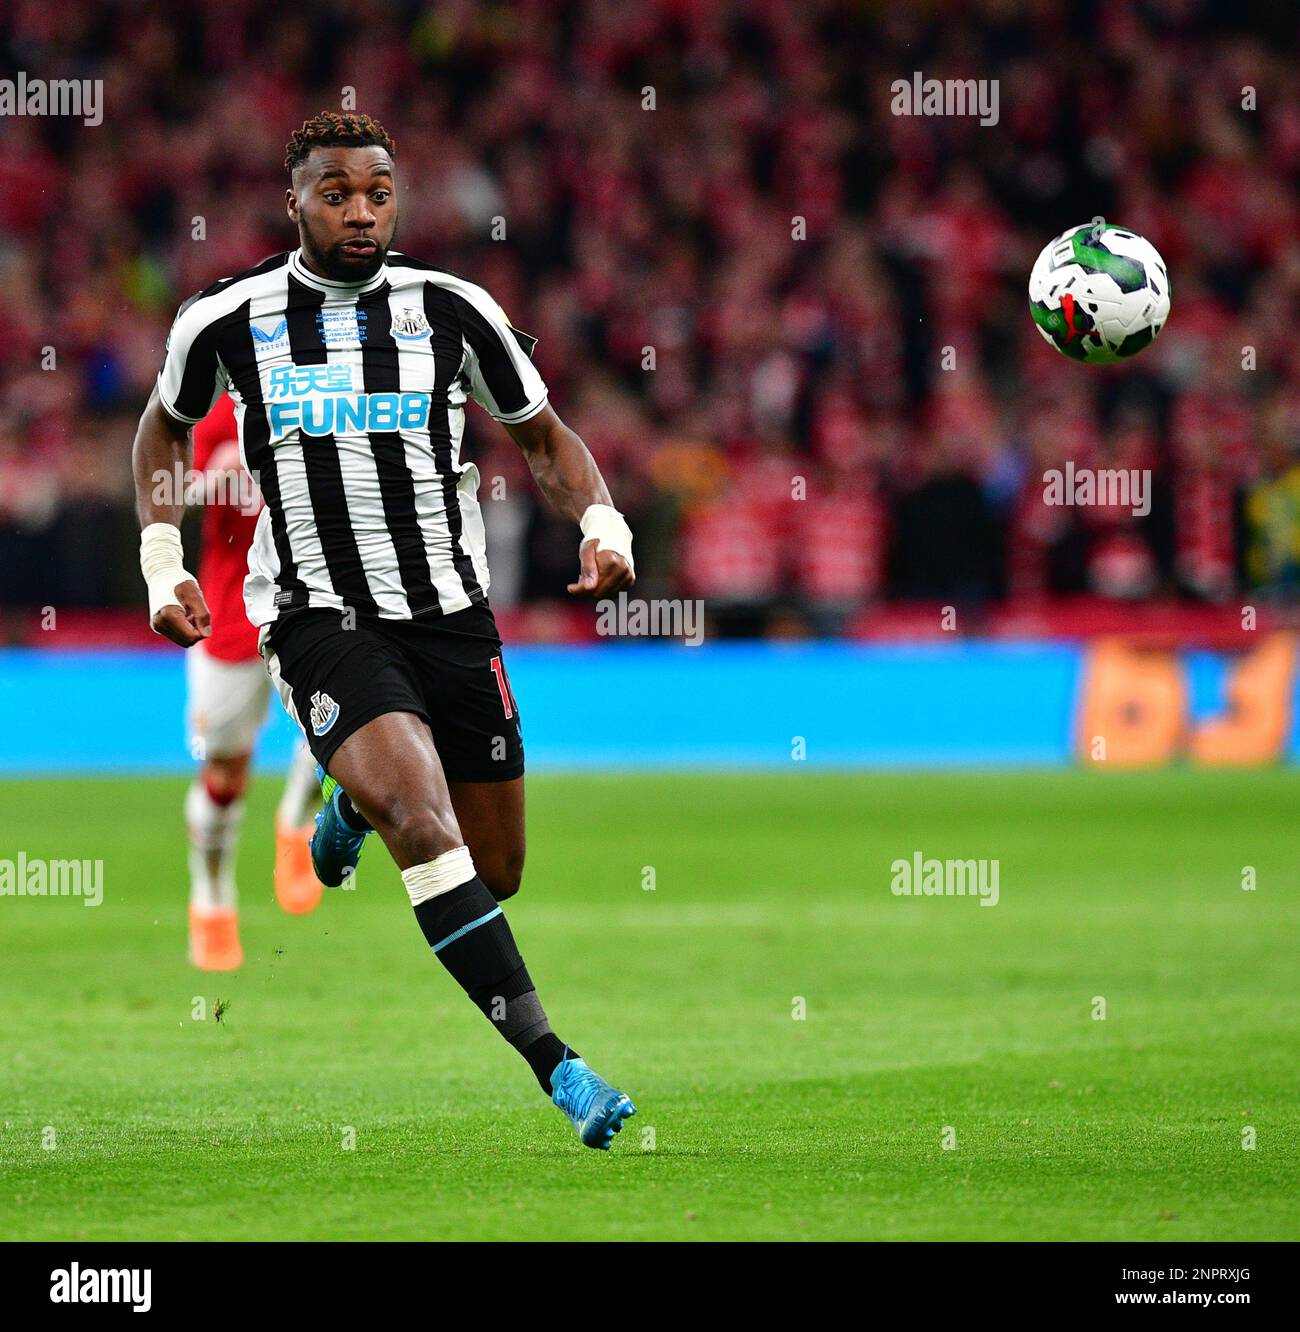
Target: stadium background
{"x":670,"y":229}
{"x":798,"y":1036}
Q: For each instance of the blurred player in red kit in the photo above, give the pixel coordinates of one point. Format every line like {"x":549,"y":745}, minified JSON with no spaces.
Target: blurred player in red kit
{"x":228,"y":695}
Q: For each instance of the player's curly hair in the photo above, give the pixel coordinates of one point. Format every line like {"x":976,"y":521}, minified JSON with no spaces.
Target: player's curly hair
{"x":332,"y":130}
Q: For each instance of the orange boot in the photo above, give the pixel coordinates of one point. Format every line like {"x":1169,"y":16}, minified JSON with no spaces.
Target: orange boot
{"x":296,"y":887}
{"x":214,"y":939}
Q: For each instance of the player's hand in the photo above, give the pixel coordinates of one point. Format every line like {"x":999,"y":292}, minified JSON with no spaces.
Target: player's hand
{"x":600,"y":572}
{"x":187,"y":623}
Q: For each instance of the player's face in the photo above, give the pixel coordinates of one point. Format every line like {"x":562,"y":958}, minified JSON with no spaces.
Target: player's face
{"x":346,"y":210}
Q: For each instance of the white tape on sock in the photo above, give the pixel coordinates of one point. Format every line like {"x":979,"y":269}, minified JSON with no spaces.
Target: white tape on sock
{"x":439,"y":875}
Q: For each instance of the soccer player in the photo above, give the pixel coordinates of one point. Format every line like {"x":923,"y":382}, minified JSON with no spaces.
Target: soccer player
{"x":350,"y":365}
{"x":228,"y":696}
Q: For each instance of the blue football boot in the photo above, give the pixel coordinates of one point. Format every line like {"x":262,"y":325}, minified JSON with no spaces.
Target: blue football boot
{"x":335,"y":845}
{"x":595,"y":1109}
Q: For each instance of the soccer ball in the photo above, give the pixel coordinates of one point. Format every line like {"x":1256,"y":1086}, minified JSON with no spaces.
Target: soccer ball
{"x":1099,"y":293}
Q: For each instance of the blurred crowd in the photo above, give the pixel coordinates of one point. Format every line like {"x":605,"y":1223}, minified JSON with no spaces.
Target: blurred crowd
{"x":791,"y":325}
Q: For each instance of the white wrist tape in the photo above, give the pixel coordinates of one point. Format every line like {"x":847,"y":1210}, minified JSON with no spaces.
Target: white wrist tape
{"x":611,"y":532}
{"x":162,"y":561}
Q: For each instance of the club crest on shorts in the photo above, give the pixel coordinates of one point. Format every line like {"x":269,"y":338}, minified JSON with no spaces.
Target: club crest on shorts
{"x":411,"y":325}
{"x":324,"y":713}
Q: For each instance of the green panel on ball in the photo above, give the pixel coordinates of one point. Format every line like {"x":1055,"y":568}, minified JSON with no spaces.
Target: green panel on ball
{"x":1129,"y":275}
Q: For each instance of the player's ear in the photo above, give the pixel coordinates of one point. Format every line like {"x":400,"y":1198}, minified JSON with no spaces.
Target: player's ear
{"x":291,"y":205}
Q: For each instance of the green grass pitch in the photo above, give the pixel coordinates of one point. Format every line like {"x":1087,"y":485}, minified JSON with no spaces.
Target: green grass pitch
{"x":124,"y":1117}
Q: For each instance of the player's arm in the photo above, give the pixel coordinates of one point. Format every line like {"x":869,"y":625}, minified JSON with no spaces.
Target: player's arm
{"x":567,"y":475}
{"x":176,"y":606}
{"x":502,"y":379}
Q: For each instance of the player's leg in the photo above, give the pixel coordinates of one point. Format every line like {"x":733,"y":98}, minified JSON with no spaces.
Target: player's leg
{"x":479,"y":741}
{"x":313,"y":663}
{"x":227,"y":702}
{"x":491,"y":819}
{"x":297,"y":888}
{"x":393,"y":775}
{"x":301,"y":790}
{"x":491,"y":816}
{"x":214,"y":809}
{"x":361,"y":695}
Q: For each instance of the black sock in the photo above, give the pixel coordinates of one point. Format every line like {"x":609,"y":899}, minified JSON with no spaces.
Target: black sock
{"x":544,"y":1054}
{"x":471,"y":937}
{"x":352,"y":816}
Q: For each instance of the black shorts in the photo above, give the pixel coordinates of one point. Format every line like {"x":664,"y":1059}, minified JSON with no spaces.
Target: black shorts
{"x":447,"y":669}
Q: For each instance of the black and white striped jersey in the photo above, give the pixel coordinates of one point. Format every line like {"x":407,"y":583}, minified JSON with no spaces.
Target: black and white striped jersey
{"x":350,"y":401}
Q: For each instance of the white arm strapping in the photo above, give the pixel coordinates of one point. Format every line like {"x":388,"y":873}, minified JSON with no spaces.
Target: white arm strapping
{"x":162,"y":561}
{"x":607,"y":526}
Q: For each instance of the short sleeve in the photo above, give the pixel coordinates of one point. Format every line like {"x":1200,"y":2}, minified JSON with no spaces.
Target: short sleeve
{"x":498,"y":366}
{"x":191,"y":376}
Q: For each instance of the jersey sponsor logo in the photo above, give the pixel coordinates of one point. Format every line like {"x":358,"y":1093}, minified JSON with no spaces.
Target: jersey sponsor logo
{"x":341,"y":329}
{"x":411,"y":325}
{"x":348,"y":414}
{"x":297,"y":381}
{"x":317,"y":400}
{"x":269,"y":335}
{"x":324,"y":713}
